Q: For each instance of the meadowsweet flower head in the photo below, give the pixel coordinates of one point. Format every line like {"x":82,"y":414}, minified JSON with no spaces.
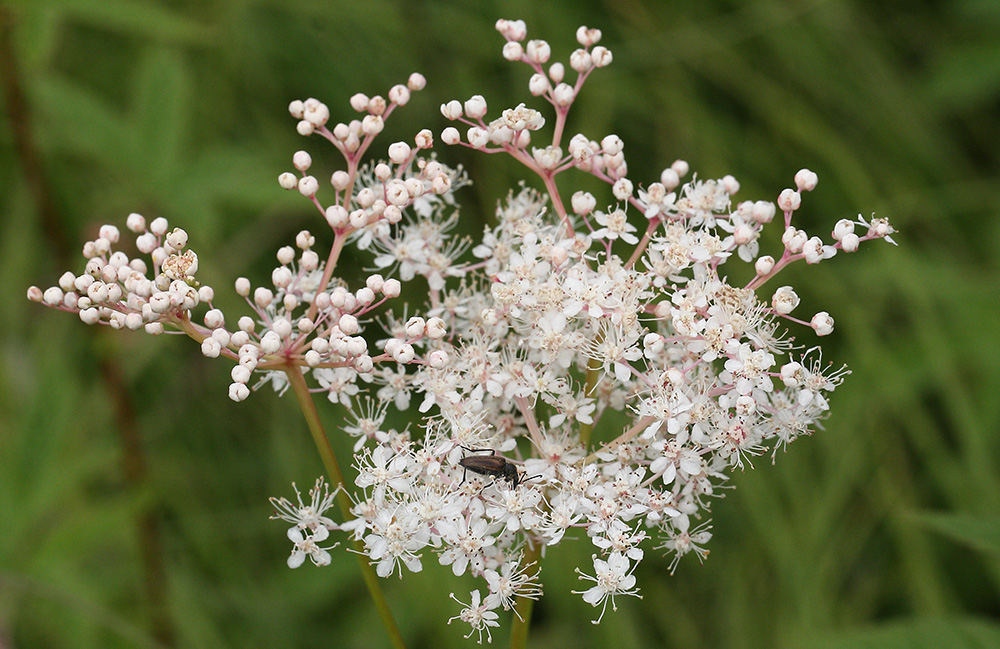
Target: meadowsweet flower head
{"x":577,"y":308}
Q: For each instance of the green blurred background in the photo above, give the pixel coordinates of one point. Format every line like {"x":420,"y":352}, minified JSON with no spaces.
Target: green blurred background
{"x":133,"y":492}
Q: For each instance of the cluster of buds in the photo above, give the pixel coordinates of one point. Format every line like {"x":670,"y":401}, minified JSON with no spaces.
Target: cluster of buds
{"x":523,"y":348}
{"x":132,"y":293}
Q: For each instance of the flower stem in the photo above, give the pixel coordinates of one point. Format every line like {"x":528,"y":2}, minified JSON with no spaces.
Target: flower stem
{"x":593,"y":376}
{"x":524,"y":605}
{"x":308,"y":406}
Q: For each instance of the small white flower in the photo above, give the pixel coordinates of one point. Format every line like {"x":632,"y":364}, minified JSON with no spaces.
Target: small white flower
{"x":613,"y":577}
{"x":479,"y":616}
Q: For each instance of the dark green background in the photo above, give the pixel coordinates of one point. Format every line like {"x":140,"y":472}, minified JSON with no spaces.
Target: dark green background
{"x":133,"y":493}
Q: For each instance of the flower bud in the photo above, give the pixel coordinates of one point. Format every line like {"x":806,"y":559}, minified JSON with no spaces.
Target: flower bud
{"x":622,"y":189}
{"x":730,"y":184}
{"x":538,"y":84}
{"x":789,"y":200}
{"x":415,"y":327}
{"x":475,"y":107}
{"x":399,"y":152}
{"x":214,"y":319}
{"x":785,"y":300}
{"x":512,"y":51}
{"x":308,"y":186}
{"x":764,"y":265}
{"x":136,"y":223}
{"x":587,"y":37}
{"x":601,"y":56}
{"x":211,"y":348}
{"x":538,"y":51}
{"x":806,"y":180}
{"x":263,"y":297}
{"x":349,"y":324}
{"x":340,"y":180}
{"x":438,"y":359}
{"x":822,"y":324}
{"x":270,"y":342}
{"x":452,"y":110}
{"x":583,"y":203}
{"x":238,"y":392}
{"x":436,"y":328}
{"x":391,"y":288}
{"x":404,"y":354}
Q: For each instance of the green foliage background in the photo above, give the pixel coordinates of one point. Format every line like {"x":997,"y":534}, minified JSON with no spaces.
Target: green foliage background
{"x":133,"y":493}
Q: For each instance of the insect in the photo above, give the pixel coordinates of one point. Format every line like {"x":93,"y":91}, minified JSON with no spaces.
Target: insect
{"x":492,"y":465}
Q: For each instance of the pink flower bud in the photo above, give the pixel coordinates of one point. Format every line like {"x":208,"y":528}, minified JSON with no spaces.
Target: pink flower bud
{"x":416,"y":82}
{"x":784,"y":300}
{"x":399,"y":95}
{"x":404,"y":354}
{"x":587,"y":37}
{"x":601,"y":56}
{"x":349,"y":324}
{"x":391,"y":288}
{"x":789,"y":200}
{"x":622,"y":189}
{"x":415,"y":327}
{"x":512,"y":51}
{"x":580,"y":61}
{"x":764,"y":265}
{"x":475,"y":107}
{"x":308,"y":186}
{"x":806,"y":180}
{"x":438,"y":359}
{"x":270,"y":342}
{"x":452,"y":110}
{"x":538,"y":85}
{"x":730,"y":184}
{"x":263,"y":297}
{"x":210,"y":348}
{"x":424,"y":139}
{"x":822,"y":323}
{"x":301,"y":160}
{"x":436,"y":328}
{"x":399,"y":152}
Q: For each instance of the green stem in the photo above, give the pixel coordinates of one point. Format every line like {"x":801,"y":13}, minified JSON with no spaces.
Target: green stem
{"x":593,"y":375}
{"x":308,"y":406}
{"x":524,"y":605}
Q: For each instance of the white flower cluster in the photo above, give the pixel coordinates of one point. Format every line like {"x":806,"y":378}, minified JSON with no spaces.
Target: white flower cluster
{"x":132,"y":293}
{"x":560,"y":322}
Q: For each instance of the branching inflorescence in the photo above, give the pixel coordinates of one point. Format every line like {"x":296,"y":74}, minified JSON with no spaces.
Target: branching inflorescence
{"x":560,"y":315}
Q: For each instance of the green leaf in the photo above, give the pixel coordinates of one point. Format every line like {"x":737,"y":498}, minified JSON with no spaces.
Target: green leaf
{"x":161,"y":108}
{"x":136,"y":19}
{"x":979,"y":532}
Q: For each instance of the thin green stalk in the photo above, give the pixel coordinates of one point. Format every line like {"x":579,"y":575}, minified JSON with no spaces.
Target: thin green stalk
{"x":308,"y":406}
{"x":593,"y":375}
{"x":525,"y":605}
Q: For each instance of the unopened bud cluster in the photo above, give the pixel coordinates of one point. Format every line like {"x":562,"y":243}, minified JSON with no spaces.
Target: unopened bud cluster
{"x":574,"y":306}
{"x":132,"y":293}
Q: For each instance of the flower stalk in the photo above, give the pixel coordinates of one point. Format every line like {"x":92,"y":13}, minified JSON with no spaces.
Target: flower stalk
{"x":301,"y":390}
